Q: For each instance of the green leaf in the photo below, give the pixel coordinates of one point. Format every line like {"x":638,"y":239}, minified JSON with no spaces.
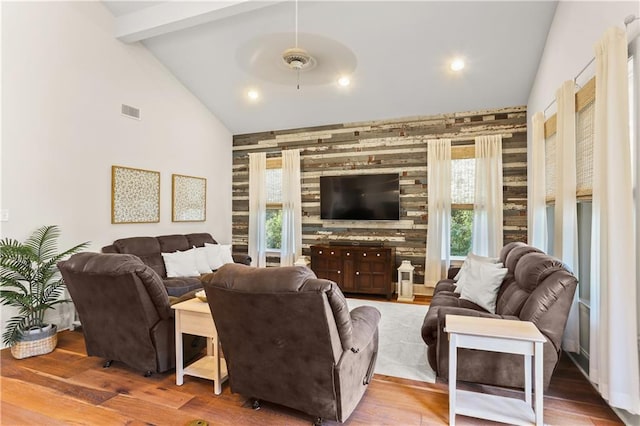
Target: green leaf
{"x":29,"y":279}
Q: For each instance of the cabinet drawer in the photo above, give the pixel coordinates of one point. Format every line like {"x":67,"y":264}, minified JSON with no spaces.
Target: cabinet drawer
{"x":325,"y":252}
{"x":374,"y":255}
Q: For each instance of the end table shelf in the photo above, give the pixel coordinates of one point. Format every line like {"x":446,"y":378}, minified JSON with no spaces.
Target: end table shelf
{"x":205,"y":368}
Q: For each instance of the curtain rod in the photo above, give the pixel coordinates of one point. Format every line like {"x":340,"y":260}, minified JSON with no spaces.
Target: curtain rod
{"x":627,"y":21}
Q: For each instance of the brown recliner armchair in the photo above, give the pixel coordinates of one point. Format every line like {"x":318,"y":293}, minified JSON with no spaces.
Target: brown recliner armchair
{"x":125,"y":311}
{"x":289,"y":338}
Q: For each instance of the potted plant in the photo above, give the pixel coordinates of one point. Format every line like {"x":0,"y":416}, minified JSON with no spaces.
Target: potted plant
{"x":30,"y":282}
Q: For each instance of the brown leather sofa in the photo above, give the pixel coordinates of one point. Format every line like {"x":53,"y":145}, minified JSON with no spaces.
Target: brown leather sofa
{"x":289,"y":338}
{"x":150,"y":249}
{"x":125,"y":311}
{"x":537,"y":288}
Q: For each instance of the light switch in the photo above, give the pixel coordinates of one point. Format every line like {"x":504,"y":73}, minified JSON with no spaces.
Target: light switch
{"x":4,"y":215}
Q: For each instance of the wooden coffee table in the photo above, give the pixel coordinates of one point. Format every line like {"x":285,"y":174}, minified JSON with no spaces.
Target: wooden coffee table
{"x":497,"y":335}
{"x":194,"y":317}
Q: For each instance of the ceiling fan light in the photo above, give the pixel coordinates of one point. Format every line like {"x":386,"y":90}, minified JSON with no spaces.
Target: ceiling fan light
{"x":457,"y":64}
{"x":253,"y":94}
{"x":296,"y":58}
{"x":344,"y":81}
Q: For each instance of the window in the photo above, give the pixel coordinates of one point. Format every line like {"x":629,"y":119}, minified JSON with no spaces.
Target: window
{"x":462,"y":194}
{"x":273,"y":225}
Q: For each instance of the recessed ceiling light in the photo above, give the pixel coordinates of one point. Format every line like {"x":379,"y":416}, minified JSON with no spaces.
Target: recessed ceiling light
{"x":253,"y":94}
{"x":457,"y":64}
{"x":344,"y":81}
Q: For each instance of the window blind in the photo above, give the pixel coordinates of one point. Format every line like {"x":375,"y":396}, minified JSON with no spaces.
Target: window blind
{"x":462,"y":180}
{"x":274,"y":186}
{"x":584,"y":150}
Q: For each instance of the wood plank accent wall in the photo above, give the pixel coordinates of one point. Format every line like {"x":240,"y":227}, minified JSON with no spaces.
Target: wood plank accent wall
{"x":386,"y":146}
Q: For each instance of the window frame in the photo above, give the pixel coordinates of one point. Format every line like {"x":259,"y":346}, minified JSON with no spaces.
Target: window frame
{"x":462,"y":152}
{"x":273,"y":163}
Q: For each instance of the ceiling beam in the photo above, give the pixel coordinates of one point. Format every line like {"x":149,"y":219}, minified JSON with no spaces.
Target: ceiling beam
{"x":175,"y":15}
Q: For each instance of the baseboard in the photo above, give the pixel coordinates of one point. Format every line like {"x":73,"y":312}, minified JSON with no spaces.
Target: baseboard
{"x":418,"y":289}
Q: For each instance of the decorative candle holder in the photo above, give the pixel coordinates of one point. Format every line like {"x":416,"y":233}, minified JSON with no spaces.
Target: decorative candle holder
{"x":405,"y":282}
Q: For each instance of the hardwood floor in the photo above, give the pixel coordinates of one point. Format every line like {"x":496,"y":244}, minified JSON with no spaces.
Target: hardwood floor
{"x":67,"y":387}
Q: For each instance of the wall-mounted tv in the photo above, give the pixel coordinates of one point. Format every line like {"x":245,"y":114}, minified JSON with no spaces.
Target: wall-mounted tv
{"x":360,"y":197}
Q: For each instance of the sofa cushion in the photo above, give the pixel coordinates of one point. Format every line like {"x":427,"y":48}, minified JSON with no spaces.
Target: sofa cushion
{"x":241,"y":277}
{"x":507,"y":249}
{"x":510,"y":297}
{"x":533,"y":268}
{"x":178,"y":286}
{"x":173,"y":243}
{"x":516,"y":254}
{"x":146,"y":248}
{"x":199,"y":239}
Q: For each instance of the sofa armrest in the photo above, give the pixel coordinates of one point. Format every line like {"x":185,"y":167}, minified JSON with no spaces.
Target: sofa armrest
{"x":364,"y":320}
{"x":454,"y":310}
{"x":242,"y":258}
{"x":187,"y":296}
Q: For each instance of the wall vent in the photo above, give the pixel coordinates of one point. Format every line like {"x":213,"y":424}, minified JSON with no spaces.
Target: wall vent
{"x":131,"y":112}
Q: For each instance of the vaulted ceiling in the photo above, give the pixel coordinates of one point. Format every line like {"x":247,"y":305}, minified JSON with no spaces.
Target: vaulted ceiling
{"x":397,"y":55}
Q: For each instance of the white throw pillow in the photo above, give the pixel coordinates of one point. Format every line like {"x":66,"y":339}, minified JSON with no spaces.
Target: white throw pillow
{"x":471,"y":271}
{"x":225,"y":253}
{"x":213,"y":255}
{"x":180,"y":264}
{"x":470,"y":257}
{"x":201,"y":260}
{"x":483,"y":258}
{"x":481,"y":284}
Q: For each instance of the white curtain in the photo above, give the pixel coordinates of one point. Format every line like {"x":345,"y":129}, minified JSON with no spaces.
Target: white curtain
{"x":291,"y":247}
{"x":538,"y":203}
{"x":613,"y":350}
{"x":486,"y":235}
{"x":565,"y":232}
{"x":438,"y":209}
{"x":257,"y":208}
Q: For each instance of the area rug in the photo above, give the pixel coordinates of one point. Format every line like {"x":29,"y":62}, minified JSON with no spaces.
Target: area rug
{"x":401,"y":350}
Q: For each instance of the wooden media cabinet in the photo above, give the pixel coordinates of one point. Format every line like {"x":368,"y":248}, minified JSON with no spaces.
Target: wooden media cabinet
{"x":356,"y":268}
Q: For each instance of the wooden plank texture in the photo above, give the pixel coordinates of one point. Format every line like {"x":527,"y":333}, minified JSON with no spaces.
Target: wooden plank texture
{"x":87,"y":394}
{"x":385,"y":146}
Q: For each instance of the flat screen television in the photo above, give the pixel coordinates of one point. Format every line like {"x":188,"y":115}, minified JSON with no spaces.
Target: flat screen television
{"x":360,"y":197}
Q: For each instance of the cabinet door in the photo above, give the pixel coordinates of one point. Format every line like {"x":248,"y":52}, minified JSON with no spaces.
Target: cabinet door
{"x":348,"y":265}
{"x":371,"y":274}
{"x":326,"y":263}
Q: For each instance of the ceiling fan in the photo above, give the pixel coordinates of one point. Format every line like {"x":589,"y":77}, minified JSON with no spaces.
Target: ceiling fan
{"x":271,"y":58}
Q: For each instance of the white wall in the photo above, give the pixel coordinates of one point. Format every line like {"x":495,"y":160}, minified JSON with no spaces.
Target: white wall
{"x":576,"y":27}
{"x":64,"y":78}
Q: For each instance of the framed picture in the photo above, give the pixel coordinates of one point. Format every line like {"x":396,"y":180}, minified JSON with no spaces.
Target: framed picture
{"x":135,"y":195}
{"x":189,"y":198}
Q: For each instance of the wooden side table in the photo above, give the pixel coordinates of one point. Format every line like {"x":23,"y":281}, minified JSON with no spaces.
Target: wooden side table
{"x":497,"y":335}
{"x":194,"y":317}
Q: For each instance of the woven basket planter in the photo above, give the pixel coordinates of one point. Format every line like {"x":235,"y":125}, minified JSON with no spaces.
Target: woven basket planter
{"x":36,"y":344}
